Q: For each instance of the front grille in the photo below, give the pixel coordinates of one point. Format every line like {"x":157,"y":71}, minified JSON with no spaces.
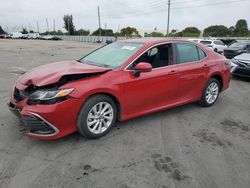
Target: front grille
{"x":242,"y":72}
{"x":35,"y":125}
{"x":19,"y":95}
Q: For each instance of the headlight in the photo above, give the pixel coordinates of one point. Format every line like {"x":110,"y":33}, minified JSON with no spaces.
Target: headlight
{"x":234,"y":61}
{"x":49,"y":96}
{"x":233,"y":64}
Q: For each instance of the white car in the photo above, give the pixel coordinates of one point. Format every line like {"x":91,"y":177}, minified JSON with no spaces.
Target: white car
{"x":216,"y":45}
{"x":16,"y":35}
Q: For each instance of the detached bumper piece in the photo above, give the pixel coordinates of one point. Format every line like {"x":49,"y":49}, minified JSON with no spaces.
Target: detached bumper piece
{"x":15,"y":110}
{"x":35,"y":125}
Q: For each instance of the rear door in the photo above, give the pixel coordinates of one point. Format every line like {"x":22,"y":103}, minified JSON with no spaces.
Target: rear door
{"x":192,"y":71}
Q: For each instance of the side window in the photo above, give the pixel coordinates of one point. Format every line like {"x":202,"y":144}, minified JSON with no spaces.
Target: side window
{"x":186,"y":53}
{"x":202,"y":54}
{"x":159,"y":56}
{"x":248,"y":48}
{"x":218,"y":42}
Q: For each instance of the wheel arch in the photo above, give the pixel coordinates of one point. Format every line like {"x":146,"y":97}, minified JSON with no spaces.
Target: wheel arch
{"x":220,"y":80}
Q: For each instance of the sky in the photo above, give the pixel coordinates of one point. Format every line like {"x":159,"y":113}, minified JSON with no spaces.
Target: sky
{"x":145,"y":15}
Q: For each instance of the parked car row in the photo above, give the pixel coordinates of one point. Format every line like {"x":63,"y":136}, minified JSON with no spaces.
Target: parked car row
{"x":237,"y":51}
{"x":17,"y":35}
{"x":216,"y":45}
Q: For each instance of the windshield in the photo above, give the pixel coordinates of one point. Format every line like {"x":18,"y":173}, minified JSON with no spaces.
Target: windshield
{"x":238,"y":45}
{"x":112,"y":55}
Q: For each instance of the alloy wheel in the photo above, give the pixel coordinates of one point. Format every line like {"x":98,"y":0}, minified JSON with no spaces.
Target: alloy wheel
{"x":212,"y":92}
{"x":100,"y":117}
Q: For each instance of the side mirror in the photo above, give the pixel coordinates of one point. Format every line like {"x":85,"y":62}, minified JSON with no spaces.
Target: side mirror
{"x":142,"y":67}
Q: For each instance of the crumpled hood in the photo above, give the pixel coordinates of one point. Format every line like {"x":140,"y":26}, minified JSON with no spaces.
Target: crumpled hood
{"x":52,"y":73}
{"x":244,"y":57}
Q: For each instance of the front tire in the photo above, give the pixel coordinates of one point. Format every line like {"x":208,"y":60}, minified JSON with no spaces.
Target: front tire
{"x":97,"y":116}
{"x":210,"y":93}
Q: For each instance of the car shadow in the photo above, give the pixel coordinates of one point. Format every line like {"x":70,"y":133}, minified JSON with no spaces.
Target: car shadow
{"x":122,"y":127}
{"x":238,"y":78}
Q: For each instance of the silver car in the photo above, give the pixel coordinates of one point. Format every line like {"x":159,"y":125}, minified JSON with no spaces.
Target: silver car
{"x":240,"y":65}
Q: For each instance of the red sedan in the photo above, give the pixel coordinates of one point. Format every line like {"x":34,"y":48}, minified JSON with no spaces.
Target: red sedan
{"x":119,"y":81}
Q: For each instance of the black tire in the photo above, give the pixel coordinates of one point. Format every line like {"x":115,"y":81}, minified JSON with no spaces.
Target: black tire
{"x":216,"y":50}
{"x":82,"y":116}
{"x":203,"y":101}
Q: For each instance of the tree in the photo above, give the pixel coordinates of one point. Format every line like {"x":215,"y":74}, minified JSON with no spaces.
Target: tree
{"x":129,"y":31}
{"x":24,"y":31}
{"x":231,"y":29}
{"x":154,"y":34}
{"x":191,"y":32}
{"x":108,"y":32}
{"x":174,"y":33}
{"x":241,"y":28}
{"x":68,"y":24}
{"x":58,"y":32}
{"x":217,"y":31}
{"x":2,"y":31}
{"x":82,"y":32}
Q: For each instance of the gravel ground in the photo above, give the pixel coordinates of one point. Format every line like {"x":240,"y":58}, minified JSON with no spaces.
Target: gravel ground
{"x":187,"y":147}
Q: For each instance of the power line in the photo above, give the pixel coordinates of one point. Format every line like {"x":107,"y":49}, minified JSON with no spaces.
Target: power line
{"x":160,"y":8}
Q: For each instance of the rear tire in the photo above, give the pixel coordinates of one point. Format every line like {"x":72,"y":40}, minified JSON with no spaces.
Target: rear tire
{"x":210,"y":93}
{"x":97,"y":116}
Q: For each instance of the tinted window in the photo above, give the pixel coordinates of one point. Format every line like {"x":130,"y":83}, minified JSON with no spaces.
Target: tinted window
{"x":248,"y":48}
{"x":206,"y":42}
{"x":158,"y":56}
{"x":202,"y":54}
{"x":186,"y":53}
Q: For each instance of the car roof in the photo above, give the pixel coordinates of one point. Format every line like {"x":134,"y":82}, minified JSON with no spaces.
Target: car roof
{"x":152,"y":41}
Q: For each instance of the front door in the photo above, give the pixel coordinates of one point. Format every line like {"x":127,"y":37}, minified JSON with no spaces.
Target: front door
{"x":151,"y":90}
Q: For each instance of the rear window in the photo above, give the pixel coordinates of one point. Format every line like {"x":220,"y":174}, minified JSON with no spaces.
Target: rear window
{"x":202,"y":54}
{"x":186,"y":53}
{"x":206,"y":42}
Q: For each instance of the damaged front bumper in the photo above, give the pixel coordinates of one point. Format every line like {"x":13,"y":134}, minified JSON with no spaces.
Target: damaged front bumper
{"x":47,"y":122}
{"x":33,"y":124}
{"x":240,"y":69}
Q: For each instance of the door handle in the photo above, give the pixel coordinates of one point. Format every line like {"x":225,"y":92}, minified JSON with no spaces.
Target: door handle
{"x":205,"y":65}
{"x":173,"y":71}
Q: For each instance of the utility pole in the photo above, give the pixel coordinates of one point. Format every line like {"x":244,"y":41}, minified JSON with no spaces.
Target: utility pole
{"x":99,"y":20}
{"x":37,"y":24}
{"x":168,"y":16}
{"x":47,"y":24}
{"x":54,"y":23}
{"x":106,"y":31}
{"x":68,"y":25}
